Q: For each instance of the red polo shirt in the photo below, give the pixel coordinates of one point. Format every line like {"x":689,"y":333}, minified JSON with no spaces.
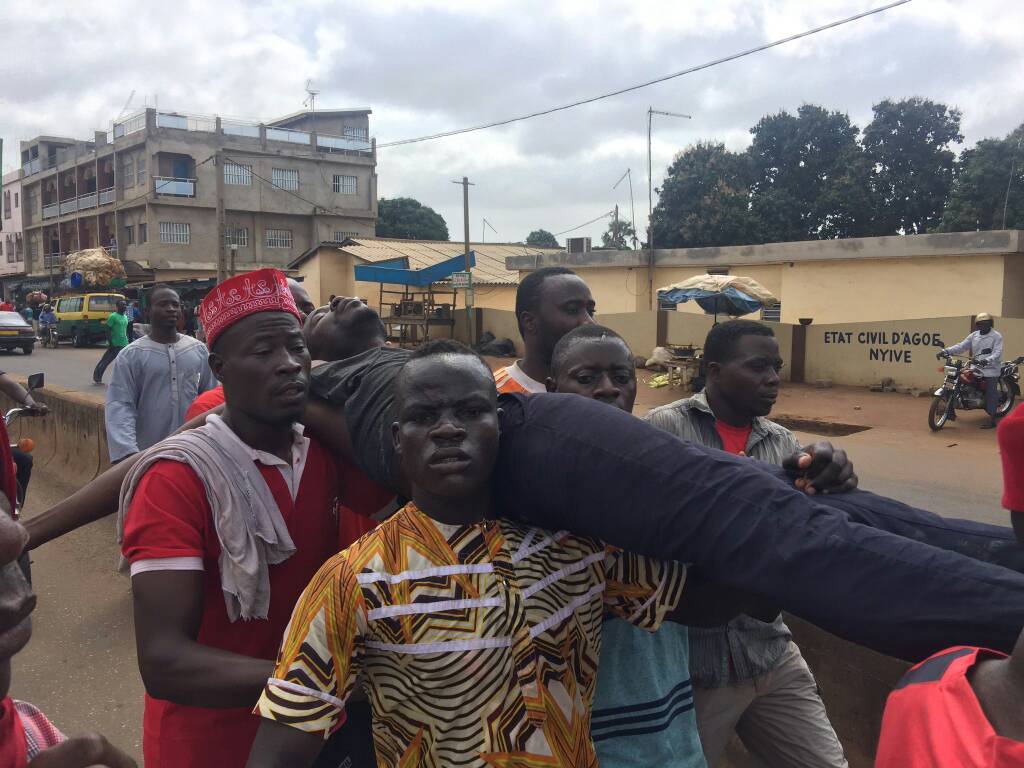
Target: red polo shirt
{"x":170,"y":518}
{"x":933,"y":719}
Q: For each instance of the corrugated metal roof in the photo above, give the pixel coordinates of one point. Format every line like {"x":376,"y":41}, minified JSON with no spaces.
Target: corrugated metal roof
{"x":490,"y":257}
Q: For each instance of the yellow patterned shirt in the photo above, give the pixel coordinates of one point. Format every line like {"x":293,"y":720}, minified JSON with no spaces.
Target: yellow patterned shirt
{"x":477,"y":645}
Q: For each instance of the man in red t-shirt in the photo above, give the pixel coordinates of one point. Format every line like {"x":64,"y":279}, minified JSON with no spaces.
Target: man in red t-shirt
{"x":962,"y":707}
{"x":203,"y":672}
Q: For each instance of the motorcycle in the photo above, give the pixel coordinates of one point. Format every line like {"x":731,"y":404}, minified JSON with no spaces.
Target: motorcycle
{"x":50,"y":338}
{"x":25,"y":445}
{"x":964,"y":389}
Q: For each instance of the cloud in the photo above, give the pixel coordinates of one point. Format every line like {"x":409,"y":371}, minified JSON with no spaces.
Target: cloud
{"x":427,"y":66}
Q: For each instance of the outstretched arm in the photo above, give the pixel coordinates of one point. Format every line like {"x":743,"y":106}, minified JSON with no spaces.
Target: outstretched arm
{"x":101,"y":496}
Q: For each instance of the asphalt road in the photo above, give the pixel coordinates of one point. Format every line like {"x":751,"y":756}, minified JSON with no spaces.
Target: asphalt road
{"x":81,"y":667}
{"x":65,"y":366}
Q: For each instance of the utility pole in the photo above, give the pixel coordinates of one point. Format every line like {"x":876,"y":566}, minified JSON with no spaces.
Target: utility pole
{"x":470,"y":317}
{"x":222,"y":267}
{"x":651,"y":112}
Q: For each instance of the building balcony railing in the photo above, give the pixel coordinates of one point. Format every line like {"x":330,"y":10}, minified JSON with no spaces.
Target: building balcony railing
{"x":342,"y":143}
{"x":50,"y":211}
{"x":133,"y":124}
{"x":107,"y":196}
{"x":32,"y":166}
{"x":88,"y":200}
{"x":167,"y":185}
{"x":286,"y":134}
{"x":186,"y":122}
{"x":54,"y":260}
{"x":69,"y":206}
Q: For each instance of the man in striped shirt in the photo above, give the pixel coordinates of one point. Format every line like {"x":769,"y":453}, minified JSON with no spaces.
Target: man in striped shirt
{"x":550,"y":302}
{"x":478,"y":639}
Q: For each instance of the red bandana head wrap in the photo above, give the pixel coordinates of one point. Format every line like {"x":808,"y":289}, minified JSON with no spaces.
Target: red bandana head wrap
{"x":265,"y":290}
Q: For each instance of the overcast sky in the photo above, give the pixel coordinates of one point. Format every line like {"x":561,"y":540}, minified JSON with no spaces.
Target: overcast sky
{"x":67,"y":68}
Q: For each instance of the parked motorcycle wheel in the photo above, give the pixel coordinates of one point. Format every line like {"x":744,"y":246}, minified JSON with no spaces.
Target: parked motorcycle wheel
{"x":938,"y":413}
{"x":1005,"y":405}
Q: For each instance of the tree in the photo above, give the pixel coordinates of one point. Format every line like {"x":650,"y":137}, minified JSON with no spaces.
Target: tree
{"x":810,"y":180}
{"x":908,"y":143}
{"x":705,"y":200}
{"x":409,"y":219}
{"x":979,"y":193}
{"x":620,"y":235}
{"x":541,"y":238}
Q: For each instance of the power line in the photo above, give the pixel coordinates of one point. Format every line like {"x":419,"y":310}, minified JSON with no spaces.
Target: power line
{"x":581,"y":226}
{"x":662,"y":79}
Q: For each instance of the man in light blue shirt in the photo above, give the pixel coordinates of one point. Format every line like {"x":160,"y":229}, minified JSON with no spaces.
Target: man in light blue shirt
{"x":155,"y":380}
{"x":986,"y":346}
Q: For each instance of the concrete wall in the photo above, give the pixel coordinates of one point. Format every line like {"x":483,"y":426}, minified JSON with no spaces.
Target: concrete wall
{"x":862,"y":354}
{"x":639,"y":329}
{"x":1013,"y":285}
{"x":892,"y":289}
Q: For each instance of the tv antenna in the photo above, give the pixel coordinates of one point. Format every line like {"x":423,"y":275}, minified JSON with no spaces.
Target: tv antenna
{"x":483,"y":230}
{"x":632,"y":209}
{"x":311,"y":94}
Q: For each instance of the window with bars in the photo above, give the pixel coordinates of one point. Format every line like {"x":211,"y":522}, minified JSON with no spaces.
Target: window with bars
{"x":772,"y":314}
{"x":344,"y":185}
{"x":340,"y":237}
{"x":9,"y":247}
{"x":236,"y":236}
{"x":33,"y":249}
{"x":15,"y":199}
{"x":129,"y":235}
{"x":285,"y":178}
{"x":178,"y":233}
{"x":143,"y":233}
{"x":354,"y":133}
{"x":278,"y":238}
{"x":128,"y":171}
{"x":140,"y":171}
{"x":239,"y":175}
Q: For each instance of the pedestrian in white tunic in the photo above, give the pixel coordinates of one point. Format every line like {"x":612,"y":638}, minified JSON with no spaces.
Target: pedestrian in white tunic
{"x":155,"y":380}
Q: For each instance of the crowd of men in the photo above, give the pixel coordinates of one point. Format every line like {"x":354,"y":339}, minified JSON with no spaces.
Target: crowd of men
{"x":344,"y":553}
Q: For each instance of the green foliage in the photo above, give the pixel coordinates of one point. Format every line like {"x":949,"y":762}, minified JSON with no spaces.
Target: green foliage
{"x":541,"y":238}
{"x":409,"y":219}
{"x":705,"y":200}
{"x":980,"y":190}
{"x":620,"y":235}
{"x":809,"y":178}
{"x":908,"y":144}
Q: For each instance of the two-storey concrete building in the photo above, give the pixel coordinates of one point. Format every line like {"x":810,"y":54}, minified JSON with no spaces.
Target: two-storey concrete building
{"x":157,"y":188}
{"x":12,"y":251}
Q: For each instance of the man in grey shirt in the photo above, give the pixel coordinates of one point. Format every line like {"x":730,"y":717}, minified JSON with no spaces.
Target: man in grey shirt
{"x":749,"y":675}
{"x":155,"y":380}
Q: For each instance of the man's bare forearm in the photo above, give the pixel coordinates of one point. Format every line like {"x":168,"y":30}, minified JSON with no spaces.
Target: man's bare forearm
{"x":88,"y":504}
{"x":192,"y":674}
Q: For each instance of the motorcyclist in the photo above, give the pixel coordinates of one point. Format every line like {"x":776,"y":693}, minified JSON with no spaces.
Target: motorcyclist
{"x":47,"y":320}
{"x":985,"y":346}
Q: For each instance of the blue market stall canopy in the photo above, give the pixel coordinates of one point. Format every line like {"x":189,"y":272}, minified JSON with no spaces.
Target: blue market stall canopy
{"x":394,"y":272}
{"x":720,"y":294}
